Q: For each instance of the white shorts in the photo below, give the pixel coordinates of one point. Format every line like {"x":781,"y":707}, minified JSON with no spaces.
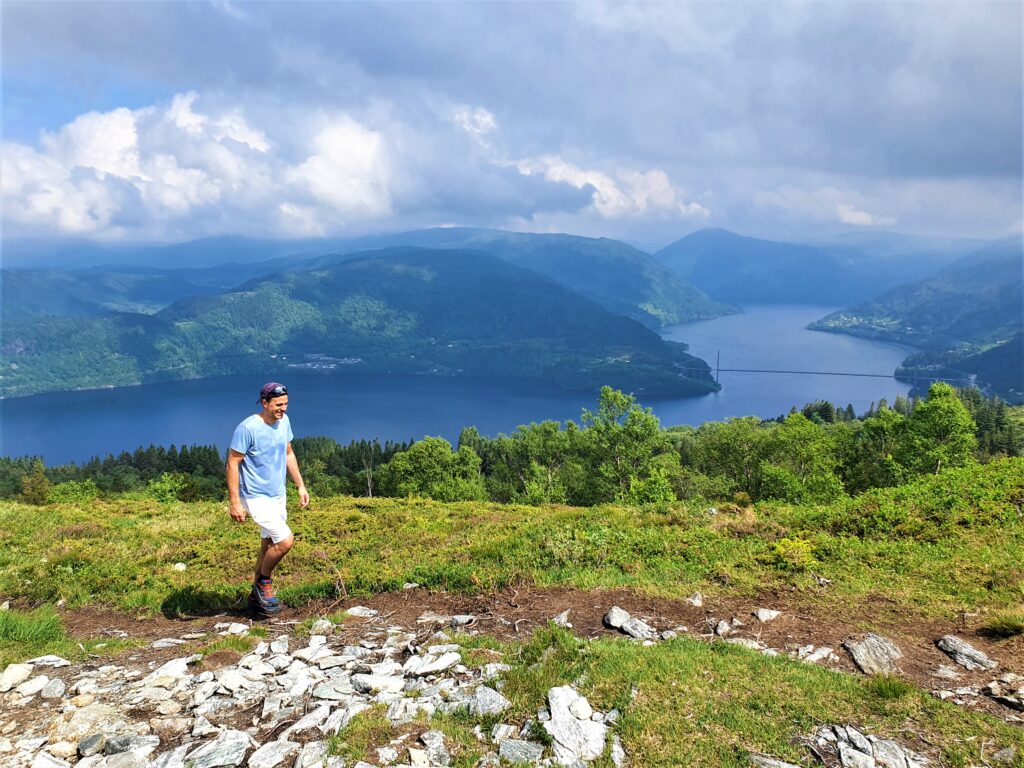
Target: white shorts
{"x":270,"y":513}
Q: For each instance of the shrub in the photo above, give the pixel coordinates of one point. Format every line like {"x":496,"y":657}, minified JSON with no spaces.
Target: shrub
{"x":793,"y":554}
{"x":74,"y":492}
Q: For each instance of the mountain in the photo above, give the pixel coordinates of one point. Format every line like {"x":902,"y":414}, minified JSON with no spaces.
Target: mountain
{"x":964,"y":318}
{"x":974,"y":301}
{"x":28,"y":293}
{"x":617,"y":276}
{"x":999,"y":368}
{"x":407,"y":310}
{"x":746,"y":270}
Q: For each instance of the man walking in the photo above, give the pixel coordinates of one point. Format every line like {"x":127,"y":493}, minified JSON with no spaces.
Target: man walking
{"x":259,"y":457}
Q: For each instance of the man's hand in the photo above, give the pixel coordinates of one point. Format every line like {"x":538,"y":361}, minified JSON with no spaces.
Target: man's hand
{"x":303,"y":497}
{"x":237,"y":512}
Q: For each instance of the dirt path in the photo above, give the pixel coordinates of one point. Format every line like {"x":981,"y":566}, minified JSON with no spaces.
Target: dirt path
{"x":513,"y":614}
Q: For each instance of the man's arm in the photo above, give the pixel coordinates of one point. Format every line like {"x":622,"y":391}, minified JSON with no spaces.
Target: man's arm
{"x":293,"y":471}
{"x":236,"y":509}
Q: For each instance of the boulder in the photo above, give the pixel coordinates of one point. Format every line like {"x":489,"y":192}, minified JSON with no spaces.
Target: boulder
{"x":964,"y":654}
{"x":574,"y":739}
{"x":874,"y":654}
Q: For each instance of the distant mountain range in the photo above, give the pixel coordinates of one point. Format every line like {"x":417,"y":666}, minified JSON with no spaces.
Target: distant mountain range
{"x":397,"y":310}
{"x":967,"y":319}
{"x":617,"y":276}
{"x":746,"y":270}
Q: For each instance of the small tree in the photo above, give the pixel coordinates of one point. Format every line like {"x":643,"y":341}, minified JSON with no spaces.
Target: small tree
{"x":35,"y":488}
{"x":940,"y":433}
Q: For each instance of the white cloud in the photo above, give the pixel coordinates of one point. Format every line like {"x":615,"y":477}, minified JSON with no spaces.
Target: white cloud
{"x":633,"y":194}
{"x":850,"y":215}
{"x":477,"y":123}
{"x":349,"y":171}
{"x":107,"y":142}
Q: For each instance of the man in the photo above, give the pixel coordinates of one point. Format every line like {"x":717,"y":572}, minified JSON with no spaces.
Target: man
{"x":260,"y":455}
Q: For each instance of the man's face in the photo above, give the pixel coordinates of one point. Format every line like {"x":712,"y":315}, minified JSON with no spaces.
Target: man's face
{"x":276,"y":407}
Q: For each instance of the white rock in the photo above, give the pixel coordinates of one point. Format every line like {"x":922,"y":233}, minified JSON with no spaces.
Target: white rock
{"x":179,"y":567}
{"x":696,"y":600}
{"x":33,"y":686}
{"x":765,"y":615}
{"x":965,"y":654}
{"x":487,"y":701}
{"x":228,"y":749}
{"x":362,"y":612}
{"x":313,"y":755}
{"x":574,"y":739}
{"x":562,"y":620}
{"x":49,"y":661}
{"x":874,"y":654}
{"x":616,"y":617}
{"x":854,"y":758}
{"x":46,"y":760}
{"x":14,"y":674}
{"x":378,"y":683}
{"x":274,"y":753}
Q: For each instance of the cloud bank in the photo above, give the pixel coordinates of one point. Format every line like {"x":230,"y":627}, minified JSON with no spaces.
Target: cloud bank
{"x":646,"y":121}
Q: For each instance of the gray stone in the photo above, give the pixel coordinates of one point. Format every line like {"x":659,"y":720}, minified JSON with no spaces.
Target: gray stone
{"x":965,"y":654}
{"x":616,"y":617}
{"x":487,"y":701}
{"x":227,"y":749}
{"x":53,"y":689}
{"x":336,"y":689}
{"x":92,"y":744}
{"x":573,"y":739}
{"x":1005,"y":755}
{"x":617,"y":753}
{"x":770,"y":762}
{"x":95,"y":718}
{"x":430,"y":665}
{"x":387,"y":755}
{"x":175,"y":758}
{"x":696,"y":600}
{"x":854,"y":758}
{"x":313,"y":755}
{"x":517,"y":751}
{"x":562,"y":620}
{"x":639,"y":629}
{"x":14,"y":674}
{"x":340,"y":718}
{"x":308,"y":724}
{"x":437,"y":752}
{"x":274,"y":753}
{"x":126,"y":760}
{"x":888,"y":754}
{"x":143,"y":746}
{"x":765,"y":615}
{"x":46,"y":760}
{"x":378,"y":683}
{"x":502,"y":731}
{"x":875,"y":655}
{"x":723,"y":628}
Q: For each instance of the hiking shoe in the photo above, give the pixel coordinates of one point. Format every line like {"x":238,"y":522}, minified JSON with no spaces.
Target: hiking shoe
{"x":262,"y":598}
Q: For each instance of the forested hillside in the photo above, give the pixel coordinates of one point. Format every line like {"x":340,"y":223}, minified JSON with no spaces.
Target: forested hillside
{"x":967,"y":320}
{"x":404,"y":310}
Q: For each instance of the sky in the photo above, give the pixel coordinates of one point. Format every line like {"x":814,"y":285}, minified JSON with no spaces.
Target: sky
{"x":168,"y":121}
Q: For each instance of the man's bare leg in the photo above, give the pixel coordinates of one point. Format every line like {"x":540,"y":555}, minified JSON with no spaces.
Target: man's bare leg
{"x":270,"y":555}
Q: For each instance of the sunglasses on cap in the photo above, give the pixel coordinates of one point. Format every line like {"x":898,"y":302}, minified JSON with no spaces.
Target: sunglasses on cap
{"x":277,"y":391}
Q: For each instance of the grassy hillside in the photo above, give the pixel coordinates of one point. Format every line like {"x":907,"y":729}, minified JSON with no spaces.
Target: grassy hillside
{"x":405,"y":310}
{"x":901,"y":544}
{"x":946,"y":546}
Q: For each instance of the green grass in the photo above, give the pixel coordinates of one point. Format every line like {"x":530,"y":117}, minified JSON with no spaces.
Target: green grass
{"x":943,"y":544}
{"x":1005,"y":624}
{"x":685,"y":702}
{"x":40,"y":632}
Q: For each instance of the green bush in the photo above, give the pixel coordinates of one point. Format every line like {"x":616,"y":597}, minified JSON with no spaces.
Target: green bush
{"x":73,"y":492}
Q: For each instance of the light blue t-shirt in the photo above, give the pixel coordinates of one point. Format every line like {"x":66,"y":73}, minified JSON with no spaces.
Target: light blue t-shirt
{"x":265,"y":465}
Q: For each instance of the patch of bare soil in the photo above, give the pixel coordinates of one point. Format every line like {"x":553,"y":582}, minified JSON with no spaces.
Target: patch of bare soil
{"x":513,"y":614}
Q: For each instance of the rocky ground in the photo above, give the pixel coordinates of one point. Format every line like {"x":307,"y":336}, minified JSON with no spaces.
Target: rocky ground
{"x":155,"y":706}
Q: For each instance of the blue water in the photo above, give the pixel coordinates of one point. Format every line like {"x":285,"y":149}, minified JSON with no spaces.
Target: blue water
{"x":74,"y":426}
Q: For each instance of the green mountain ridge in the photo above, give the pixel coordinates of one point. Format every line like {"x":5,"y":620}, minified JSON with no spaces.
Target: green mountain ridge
{"x":400,"y":310}
{"x":617,"y":276}
{"x":966,"y":320}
